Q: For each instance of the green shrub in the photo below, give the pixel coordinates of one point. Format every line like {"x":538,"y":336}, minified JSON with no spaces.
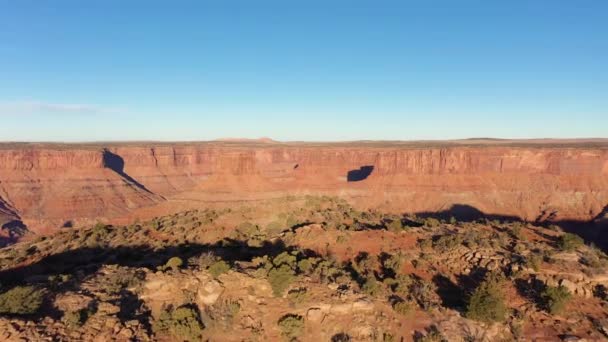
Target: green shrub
{"x":280,"y":278}
{"x":393,"y":262}
{"x":554,"y":299}
{"x":291,"y":326}
{"x":403,"y":307}
{"x":371,"y":286}
{"x":298,"y":295}
{"x":534,"y":261}
{"x":285,"y":258}
{"x":518,"y":232}
{"x":77,"y":318}
{"x":569,"y":242}
{"x":114,"y":282}
{"x":183,"y":322}
{"x":402,"y":284}
{"x":431,"y":222}
{"x":307,"y":265}
{"x":395,"y":226}
{"x":174,"y":263}
{"x":487,"y":302}
{"x":21,"y":300}
{"x":447,"y":242}
{"x":218,"y":267}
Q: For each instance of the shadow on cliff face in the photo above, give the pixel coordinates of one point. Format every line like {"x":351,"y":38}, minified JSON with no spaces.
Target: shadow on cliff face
{"x":12,"y":231}
{"x":116,"y":163}
{"x":360,"y":174}
{"x":594,"y":231}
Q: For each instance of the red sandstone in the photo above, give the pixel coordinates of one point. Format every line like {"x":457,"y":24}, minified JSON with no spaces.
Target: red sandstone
{"x":48,"y":185}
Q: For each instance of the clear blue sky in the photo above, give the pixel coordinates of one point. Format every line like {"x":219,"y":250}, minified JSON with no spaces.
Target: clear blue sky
{"x":302,"y":70}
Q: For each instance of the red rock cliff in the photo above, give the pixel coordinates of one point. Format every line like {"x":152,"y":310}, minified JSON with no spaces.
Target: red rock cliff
{"x":59,"y":183}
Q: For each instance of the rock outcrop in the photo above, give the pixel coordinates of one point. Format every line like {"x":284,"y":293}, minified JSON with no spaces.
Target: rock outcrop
{"x":54,"y":185}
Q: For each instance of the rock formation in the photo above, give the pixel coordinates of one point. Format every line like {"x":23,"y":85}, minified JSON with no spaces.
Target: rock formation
{"x":50,"y":186}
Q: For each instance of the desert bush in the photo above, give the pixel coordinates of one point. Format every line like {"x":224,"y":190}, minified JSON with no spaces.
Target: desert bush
{"x":518,"y":232}
{"x":432,"y":335}
{"x":425,"y":243}
{"x":174,"y":263}
{"x":554,"y":299}
{"x":431,"y":222}
{"x":21,"y":300}
{"x":534,"y":261}
{"x":203,"y":261}
{"x":307,"y":265}
{"x":403,"y":307}
{"x":393,"y":262}
{"x":298,"y":295}
{"x":291,"y":326}
{"x":341,"y":239}
{"x":371,"y":286}
{"x":447,"y":242}
{"x":474,"y":238}
{"x":487,"y":301}
{"x":595,"y":259}
{"x":395,"y":226}
{"x":57,"y":280}
{"x":218,"y":267}
{"x":183,"y":322}
{"x":285,"y":258}
{"x":569,"y":242}
{"x":121,"y":278}
{"x":402,"y":284}
{"x":555,"y":228}
{"x":77,"y":318}
{"x":222,"y":312}
{"x":364,"y":264}
{"x":280,"y":278}
{"x":424,"y":292}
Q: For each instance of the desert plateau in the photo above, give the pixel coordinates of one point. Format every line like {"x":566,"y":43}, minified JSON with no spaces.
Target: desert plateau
{"x":303,"y":171}
{"x":261,"y":240}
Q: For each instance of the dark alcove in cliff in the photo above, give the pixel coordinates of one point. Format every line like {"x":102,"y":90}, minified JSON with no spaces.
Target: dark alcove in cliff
{"x":358,"y":175}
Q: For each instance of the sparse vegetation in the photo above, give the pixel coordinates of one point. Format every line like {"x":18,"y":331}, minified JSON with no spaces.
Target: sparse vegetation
{"x":174,"y":263}
{"x":554,"y":299}
{"x":183,"y":322}
{"x":21,"y":300}
{"x":303,"y":268}
{"x":403,"y":307}
{"x":218,"y":268}
{"x":291,"y":326}
{"x":569,"y":242}
{"x":487,"y":303}
{"x":280,"y":278}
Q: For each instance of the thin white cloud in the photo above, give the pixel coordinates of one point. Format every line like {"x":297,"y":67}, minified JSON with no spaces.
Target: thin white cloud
{"x":38,"y":107}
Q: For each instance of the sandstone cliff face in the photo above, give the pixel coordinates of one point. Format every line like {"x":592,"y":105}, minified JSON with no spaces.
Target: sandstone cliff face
{"x":52,"y":185}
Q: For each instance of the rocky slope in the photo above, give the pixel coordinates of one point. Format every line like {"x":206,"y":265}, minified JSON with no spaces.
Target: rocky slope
{"x":311,"y":269}
{"x":54,"y":185}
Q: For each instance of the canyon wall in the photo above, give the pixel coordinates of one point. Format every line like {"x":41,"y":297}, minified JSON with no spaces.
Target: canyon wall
{"x":49,"y":186}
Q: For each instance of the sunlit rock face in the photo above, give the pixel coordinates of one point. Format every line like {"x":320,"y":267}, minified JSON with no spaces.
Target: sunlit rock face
{"x":50,"y":186}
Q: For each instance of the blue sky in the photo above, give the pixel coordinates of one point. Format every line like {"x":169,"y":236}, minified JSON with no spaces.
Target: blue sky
{"x":302,"y":70}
